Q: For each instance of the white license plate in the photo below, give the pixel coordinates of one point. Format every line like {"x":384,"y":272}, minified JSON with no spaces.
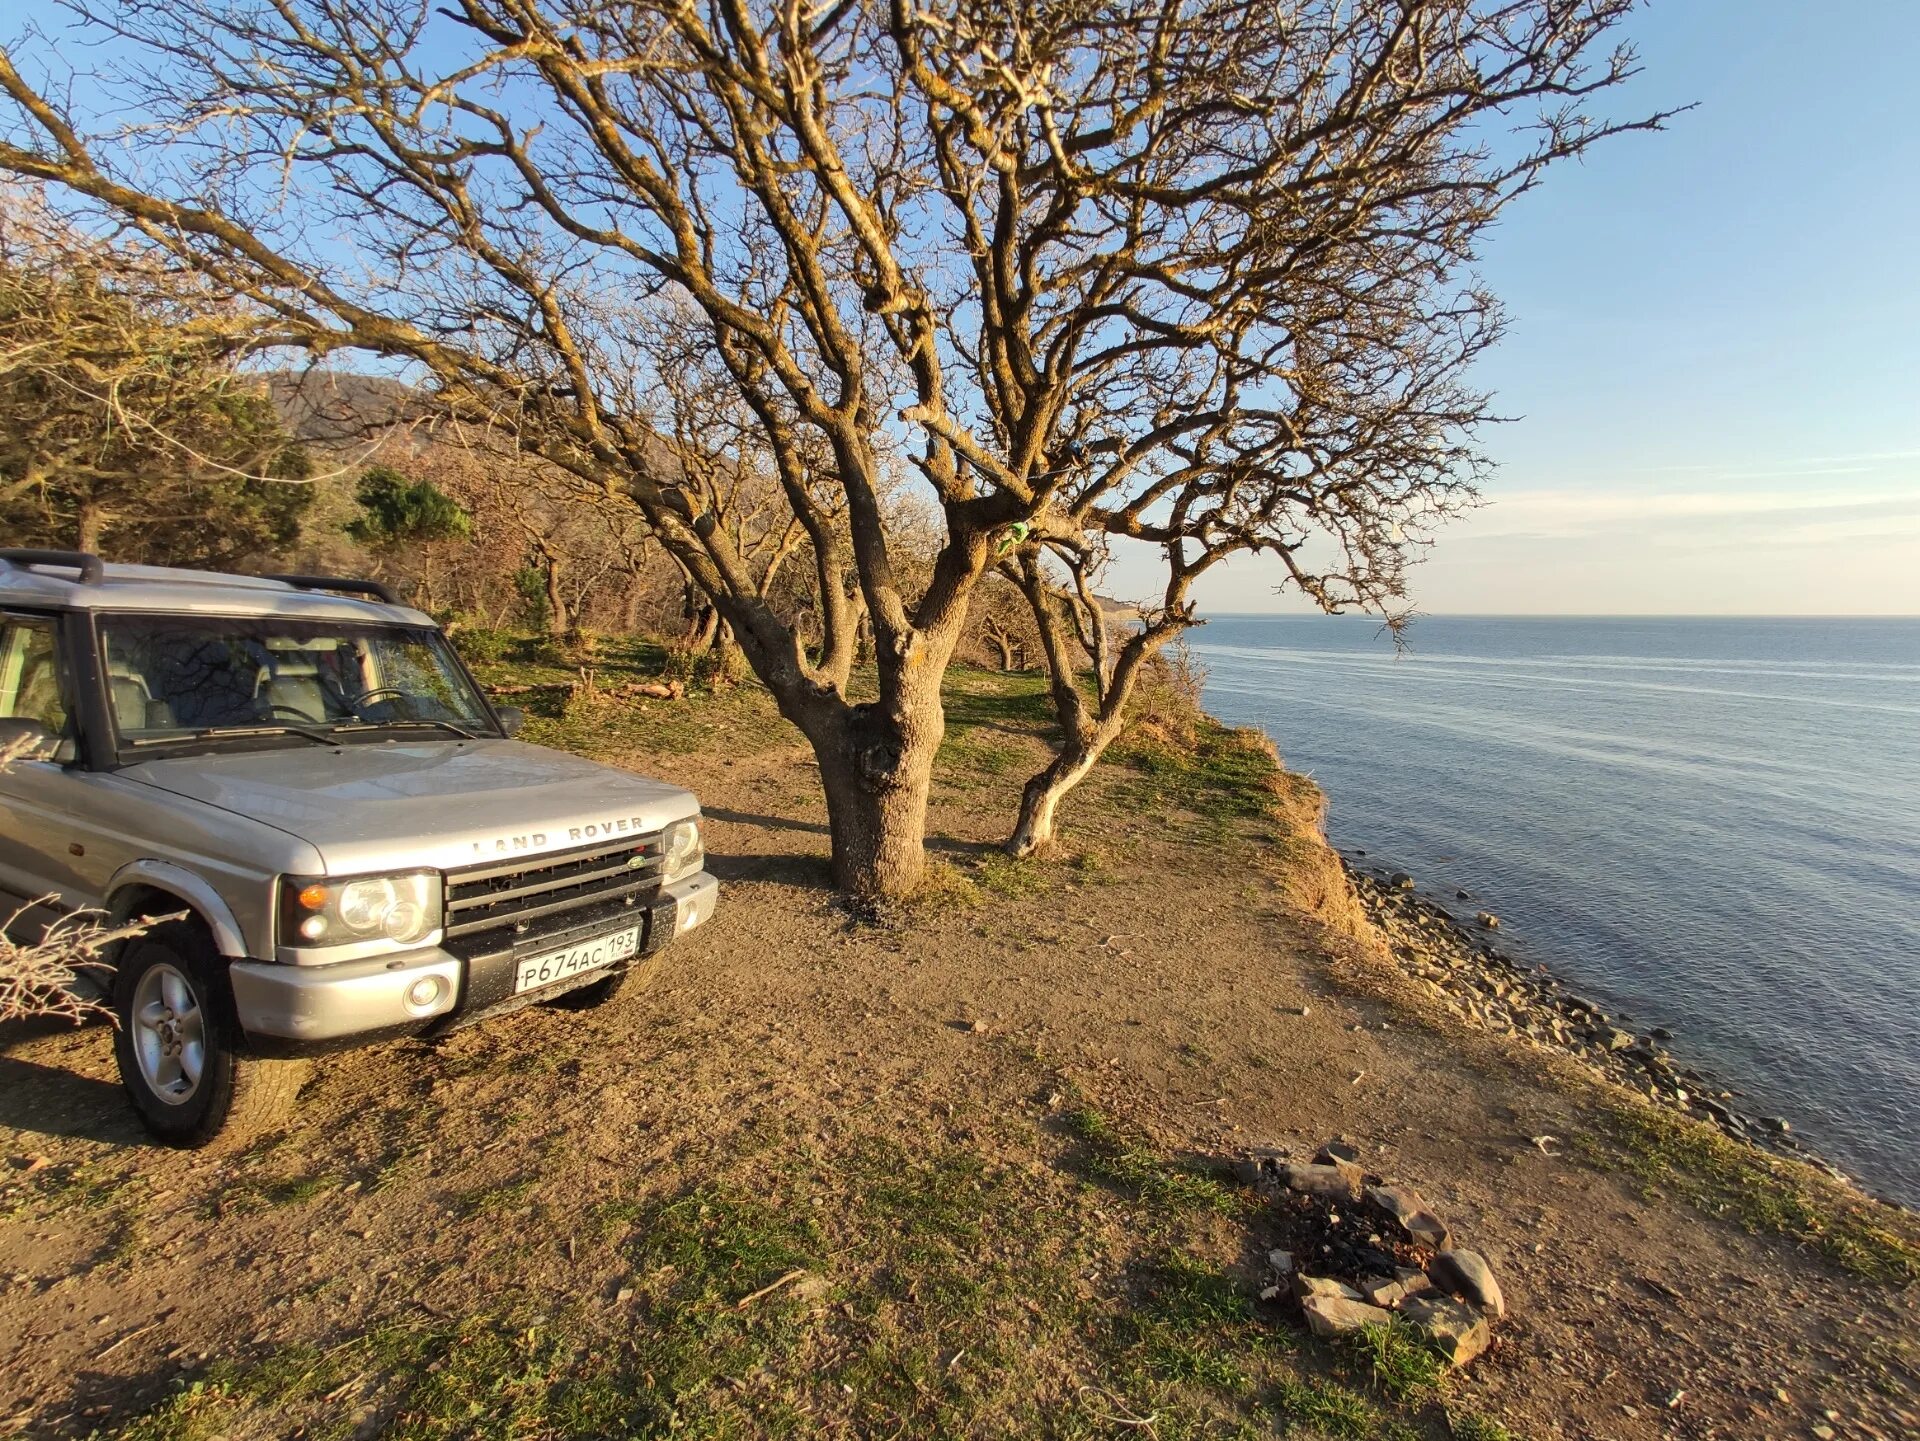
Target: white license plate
{"x":532,"y":972}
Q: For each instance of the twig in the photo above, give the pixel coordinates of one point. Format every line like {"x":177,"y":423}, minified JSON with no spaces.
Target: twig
{"x":136,"y":1331}
{"x":1142,"y":1423}
{"x":746,"y":1301}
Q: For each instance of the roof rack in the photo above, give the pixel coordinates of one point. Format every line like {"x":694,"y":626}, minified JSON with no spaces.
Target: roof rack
{"x":92,"y":569}
{"x":344,"y":584}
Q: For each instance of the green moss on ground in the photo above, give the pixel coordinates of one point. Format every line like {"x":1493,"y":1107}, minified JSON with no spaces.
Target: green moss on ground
{"x":876,"y":1289}
{"x":1761,"y":1193}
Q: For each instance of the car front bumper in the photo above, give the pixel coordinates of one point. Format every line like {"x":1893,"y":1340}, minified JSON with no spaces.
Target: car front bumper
{"x":289,"y":1009}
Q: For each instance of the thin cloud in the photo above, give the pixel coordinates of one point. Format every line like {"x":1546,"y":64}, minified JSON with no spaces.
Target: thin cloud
{"x":1571,"y":514}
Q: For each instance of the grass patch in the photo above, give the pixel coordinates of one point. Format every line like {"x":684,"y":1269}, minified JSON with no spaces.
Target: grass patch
{"x":889,"y":1288}
{"x":1001,"y":875}
{"x":1399,"y":1360}
{"x":1012,"y":702}
{"x":1191,"y":1323}
{"x":605,"y":727}
{"x":1764,"y":1195}
{"x":1326,"y":1408}
{"x":1120,"y":1160}
{"x":1220,"y":774}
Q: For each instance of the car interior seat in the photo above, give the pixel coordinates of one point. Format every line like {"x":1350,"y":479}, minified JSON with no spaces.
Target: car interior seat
{"x":134,"y":707}
{"x":292,"y":689}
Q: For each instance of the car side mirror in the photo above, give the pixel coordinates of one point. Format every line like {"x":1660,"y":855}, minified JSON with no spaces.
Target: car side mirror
{"x":28,"y":739}
{"x":511,"y":719}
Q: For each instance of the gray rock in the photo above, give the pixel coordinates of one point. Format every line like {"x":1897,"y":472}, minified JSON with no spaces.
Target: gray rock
{"x":1280,"y":1262}
{"x":1412,"y":1215}
{"x":1306,"y":1288}
{"x":1489,"y":920}
{"x":1388,"y":1291}
{"x":1338,"y":1316}
{"x":1616,"y":1039}
{"x":1458,"y":1331}
{"x":1466,"y":1273}
{"x":1334,"y":1152}
{"x":1400,"y":881}
{"x":1338,"y":1181}
{"x":1412,"y":1282}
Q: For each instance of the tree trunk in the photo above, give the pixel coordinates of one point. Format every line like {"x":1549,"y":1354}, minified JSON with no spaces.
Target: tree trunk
{"x":559,"y":618}
{"x":1040,"y":798}
{"x":1086,"y":730}
{"x":876,"y":766}
{"x":89,"y":525}
{"x":728,"y":659}
{"x":702,"y":629}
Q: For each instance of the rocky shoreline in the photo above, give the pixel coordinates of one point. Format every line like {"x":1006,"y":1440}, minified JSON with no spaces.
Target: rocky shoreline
{"x":1461,"y":964}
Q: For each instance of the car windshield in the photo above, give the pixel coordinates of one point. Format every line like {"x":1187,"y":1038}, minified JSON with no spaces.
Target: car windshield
{"x":175,"y":677}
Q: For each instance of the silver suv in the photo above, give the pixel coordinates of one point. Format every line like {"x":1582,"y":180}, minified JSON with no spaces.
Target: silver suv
{"x":330,"y":829}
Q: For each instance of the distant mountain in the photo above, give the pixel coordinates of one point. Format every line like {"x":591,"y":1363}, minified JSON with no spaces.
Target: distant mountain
{"x":341,"y":409}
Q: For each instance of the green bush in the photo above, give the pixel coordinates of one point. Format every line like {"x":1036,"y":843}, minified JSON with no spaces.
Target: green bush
{"x":482,"y":645}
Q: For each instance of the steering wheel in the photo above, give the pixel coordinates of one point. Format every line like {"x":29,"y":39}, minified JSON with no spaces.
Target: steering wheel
{"x":355,"y":702}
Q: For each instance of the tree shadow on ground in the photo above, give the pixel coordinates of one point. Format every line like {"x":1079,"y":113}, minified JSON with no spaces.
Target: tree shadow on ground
{"x":53,"y":1102}
{"x":799,"y":868}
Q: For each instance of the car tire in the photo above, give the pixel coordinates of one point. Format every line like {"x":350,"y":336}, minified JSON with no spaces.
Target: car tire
{"x":638,"y":974}
{"x":182,"y":1056}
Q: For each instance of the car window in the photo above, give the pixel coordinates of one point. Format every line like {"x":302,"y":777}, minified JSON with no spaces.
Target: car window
{"x":173,"y":675}
{"x":30,"y":674}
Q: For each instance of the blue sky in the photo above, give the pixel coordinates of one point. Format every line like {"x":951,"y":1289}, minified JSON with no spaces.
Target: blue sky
{"x":1714,"y":355}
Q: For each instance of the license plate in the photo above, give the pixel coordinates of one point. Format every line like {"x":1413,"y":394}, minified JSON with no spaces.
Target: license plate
{"x":532,"y":972}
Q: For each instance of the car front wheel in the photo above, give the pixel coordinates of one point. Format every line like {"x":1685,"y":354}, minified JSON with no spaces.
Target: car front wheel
{"x":181,"y":1056}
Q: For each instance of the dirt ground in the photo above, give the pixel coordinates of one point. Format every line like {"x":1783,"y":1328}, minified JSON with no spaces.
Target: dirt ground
{"x":952,"y":1141}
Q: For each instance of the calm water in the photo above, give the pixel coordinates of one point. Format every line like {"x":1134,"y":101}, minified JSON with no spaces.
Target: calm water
{"x":1713,"y":824}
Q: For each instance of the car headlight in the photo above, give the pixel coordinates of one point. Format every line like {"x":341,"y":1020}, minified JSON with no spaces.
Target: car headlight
{"x":320,"y":911}
{"x":681,"y":849}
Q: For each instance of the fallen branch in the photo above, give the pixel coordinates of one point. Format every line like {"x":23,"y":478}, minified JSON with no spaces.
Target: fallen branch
{"x":768,"y":1290}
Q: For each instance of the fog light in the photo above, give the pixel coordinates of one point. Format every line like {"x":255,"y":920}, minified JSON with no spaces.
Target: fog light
{"x":425,"y":993}
{"x":313,"y":927}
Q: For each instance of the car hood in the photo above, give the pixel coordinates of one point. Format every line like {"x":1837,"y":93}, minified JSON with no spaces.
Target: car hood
{"x":438,"y":804}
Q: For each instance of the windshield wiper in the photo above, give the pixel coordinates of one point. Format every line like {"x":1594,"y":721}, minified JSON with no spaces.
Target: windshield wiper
{"x":407,"y":724}
{"x":236,"y":732}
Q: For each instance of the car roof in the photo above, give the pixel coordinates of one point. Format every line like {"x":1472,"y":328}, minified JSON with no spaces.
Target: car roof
{"x":164,"y":589}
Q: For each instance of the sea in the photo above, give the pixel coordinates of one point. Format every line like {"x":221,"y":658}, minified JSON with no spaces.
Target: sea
{"x":1711,"y":825}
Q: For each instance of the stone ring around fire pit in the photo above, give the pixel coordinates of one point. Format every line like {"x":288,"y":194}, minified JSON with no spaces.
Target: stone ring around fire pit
{"x":1362,"y":1253}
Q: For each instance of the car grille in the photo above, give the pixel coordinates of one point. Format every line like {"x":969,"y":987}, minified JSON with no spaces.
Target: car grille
{"x":504,"y":903}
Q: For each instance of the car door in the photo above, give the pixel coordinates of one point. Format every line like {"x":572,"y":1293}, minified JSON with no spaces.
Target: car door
{"x":35,"y":685}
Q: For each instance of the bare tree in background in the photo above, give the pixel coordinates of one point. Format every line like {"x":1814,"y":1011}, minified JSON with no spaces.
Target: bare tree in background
{"x":1120,"y":268}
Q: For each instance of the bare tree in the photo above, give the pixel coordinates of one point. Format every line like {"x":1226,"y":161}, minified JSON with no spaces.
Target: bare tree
{"x":993,"y":240}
